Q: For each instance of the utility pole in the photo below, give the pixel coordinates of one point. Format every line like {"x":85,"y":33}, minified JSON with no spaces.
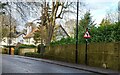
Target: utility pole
{"x":76,"y":51}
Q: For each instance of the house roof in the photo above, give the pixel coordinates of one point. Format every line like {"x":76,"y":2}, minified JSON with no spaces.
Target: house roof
{"x":31,"y":34}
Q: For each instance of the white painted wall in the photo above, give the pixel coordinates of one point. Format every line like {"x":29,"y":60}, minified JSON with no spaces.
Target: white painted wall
{"x":5,"y":41}
{"x":29,"y":41}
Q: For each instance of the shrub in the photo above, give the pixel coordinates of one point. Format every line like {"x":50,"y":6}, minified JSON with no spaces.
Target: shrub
{"x":107,"y":33}
{"x":64,"y":41}
{"x":16,"y":51}
{"x":27,"y":46}
{"x":33,"y":54}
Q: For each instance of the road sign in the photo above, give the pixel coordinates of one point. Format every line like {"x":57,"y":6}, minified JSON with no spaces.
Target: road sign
{"x":87,"y":35}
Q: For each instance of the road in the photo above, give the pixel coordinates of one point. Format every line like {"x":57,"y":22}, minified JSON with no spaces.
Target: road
{"x":13,"y":64}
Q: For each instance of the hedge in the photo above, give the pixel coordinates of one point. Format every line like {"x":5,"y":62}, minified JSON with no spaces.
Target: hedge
{"x":33,"y":54}
{"x":27,"y":46}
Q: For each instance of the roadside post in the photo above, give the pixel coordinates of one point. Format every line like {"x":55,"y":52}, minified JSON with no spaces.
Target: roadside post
{"x":86,"y":36}
{"x":76,"y":51}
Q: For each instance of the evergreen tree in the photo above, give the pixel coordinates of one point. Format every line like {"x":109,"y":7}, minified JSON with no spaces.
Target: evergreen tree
{"x":85,"y":22}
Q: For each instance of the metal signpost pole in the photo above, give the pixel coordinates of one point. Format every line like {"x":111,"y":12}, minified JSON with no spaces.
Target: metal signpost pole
{"x":86,"y":36}
{"x":86,"y":52}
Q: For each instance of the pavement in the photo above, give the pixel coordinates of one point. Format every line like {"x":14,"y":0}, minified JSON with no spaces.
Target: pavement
{"x":100,"y":71}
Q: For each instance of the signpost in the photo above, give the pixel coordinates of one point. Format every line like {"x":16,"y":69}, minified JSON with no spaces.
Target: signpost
{"x":86,"y":36}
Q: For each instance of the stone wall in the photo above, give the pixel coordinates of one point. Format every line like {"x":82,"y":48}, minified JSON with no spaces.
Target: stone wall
{"x":104,"y":55}
{"x":25,"y":50}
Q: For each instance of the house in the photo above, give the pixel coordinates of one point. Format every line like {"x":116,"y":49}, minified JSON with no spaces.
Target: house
{"x":16,"y":37}
{"x":70,"y":27}
{"x":8,"y":42}
{"x":28,"y":38}
{"x":59,"y":33}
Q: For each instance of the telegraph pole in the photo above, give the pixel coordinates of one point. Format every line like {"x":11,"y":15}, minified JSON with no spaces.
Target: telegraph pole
{"x":76,"y":51}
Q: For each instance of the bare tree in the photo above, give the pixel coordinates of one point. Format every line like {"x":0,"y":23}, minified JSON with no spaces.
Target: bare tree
{"x":51,"y":11}
{"x":6,"y":25}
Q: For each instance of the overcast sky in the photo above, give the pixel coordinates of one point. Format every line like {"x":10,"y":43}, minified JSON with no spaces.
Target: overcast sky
{"x":99,"y":8}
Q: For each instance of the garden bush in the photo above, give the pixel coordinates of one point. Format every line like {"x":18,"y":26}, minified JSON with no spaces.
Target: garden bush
{"x":107,"y":33}
{"x":33,"y":54}
{"x":16,"y":51}
{"x":27,"y":46}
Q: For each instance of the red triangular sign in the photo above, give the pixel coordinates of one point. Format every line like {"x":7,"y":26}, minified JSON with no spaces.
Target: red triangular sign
{"x":87,"y":35}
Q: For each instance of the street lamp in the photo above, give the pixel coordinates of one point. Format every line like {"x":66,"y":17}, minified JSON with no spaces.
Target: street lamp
{"x":76,"y":51}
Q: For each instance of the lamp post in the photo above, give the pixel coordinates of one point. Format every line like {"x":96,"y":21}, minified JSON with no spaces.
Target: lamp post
{"x":76,"y":51}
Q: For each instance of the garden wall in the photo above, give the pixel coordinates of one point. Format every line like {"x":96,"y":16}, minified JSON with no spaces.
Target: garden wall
{"x":25,"y":50}
{"x":106,"y":55}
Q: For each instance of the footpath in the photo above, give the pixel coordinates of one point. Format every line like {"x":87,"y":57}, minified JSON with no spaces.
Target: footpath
{"x":100,"y":71}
